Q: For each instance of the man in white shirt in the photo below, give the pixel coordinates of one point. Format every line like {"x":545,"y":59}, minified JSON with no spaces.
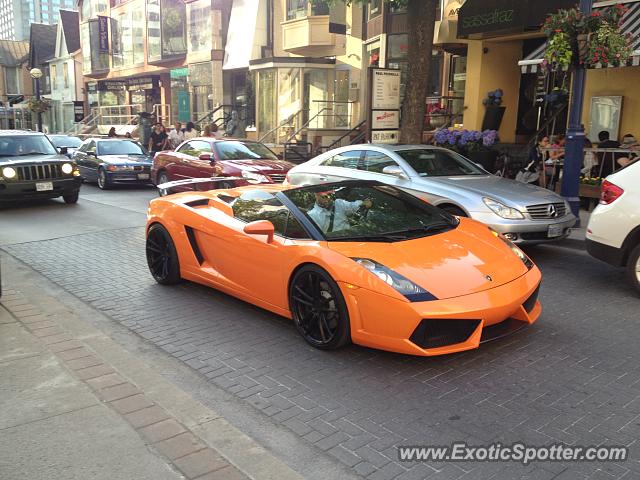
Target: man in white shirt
{"x":331,"y":215}
{"x":176,"y":135}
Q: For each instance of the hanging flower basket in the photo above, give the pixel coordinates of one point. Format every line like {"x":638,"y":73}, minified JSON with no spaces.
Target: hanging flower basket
{"x":576,"y":39}
{"x":39,"y":105}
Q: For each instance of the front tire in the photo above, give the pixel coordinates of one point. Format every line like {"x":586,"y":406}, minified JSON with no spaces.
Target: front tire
{"x":318,"y":308}
{"x":71,"y":198}
{"x":633,"y":268}
{"x":162,"y":257}
{"x":103,"y":180}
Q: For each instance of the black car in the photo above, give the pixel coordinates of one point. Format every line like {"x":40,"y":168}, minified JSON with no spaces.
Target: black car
{"x":65,"y":142}
{"x":32,"y":168}
{"x":108,"y":161}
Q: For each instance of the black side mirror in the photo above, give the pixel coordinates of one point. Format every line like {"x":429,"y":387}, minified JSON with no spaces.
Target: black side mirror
{"x":63,"y":150}
{"x":92,"y":154}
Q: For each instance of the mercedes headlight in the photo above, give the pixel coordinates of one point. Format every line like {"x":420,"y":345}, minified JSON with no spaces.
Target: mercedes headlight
{"x":253,"y":177}
{"x":67,"y":168}
{"x":8,"y":172}
{"x":401,"y":284}
{"x":502,"y":210}
{"x":515,"y":249}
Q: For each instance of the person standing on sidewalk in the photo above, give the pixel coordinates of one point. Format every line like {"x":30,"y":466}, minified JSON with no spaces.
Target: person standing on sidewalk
{"x":159,"y":139}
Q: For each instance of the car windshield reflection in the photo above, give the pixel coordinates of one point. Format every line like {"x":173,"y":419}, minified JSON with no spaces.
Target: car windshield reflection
{"x":439,"y":163}
{"x":120,"y":147}
{"x":236,"y":150}
{"x":369,"y":213}
{"x":25,"y":145}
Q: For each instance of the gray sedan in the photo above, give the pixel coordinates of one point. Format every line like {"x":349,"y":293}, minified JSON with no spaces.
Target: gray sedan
{"x":523,"y":213}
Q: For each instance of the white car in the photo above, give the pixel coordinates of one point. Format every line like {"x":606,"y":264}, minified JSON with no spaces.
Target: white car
{"x":523,"y":213}
{"x":613,"y":233}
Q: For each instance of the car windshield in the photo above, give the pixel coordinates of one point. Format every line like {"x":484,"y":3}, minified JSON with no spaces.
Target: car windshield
{"x":24,"y":145}
{"x":65,"y":141}
{"x":236,"y":150}
{"x":368,"y":212}
{"x":439,"y":163}
{"x":120,"y":147}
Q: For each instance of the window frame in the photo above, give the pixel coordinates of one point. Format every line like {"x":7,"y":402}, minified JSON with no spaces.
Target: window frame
{"x":357,"y":167}
{"x":284,"y":207}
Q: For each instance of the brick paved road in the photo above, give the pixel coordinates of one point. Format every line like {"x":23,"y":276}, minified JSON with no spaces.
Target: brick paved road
{"x":574,"y":377}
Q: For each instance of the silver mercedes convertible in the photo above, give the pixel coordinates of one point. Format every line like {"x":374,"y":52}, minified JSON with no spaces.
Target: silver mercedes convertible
{"x":523,"y":213}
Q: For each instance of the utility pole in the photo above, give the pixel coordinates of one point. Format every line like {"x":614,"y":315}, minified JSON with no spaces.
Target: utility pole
{"x":575,"y":135}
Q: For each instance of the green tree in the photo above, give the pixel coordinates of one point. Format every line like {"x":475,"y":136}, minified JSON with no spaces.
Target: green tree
{"x":421,"y":18}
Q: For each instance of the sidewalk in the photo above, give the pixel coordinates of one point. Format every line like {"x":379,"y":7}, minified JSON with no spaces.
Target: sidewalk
{"x":76,"y":406}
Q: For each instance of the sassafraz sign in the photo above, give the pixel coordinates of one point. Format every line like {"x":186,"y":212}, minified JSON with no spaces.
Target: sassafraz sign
{"x":385,"y":119}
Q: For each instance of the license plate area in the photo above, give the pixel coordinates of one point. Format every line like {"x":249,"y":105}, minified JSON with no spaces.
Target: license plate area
{"x":44,"y":186}
{"x":143,"y":176}
{"x":554,"y":231}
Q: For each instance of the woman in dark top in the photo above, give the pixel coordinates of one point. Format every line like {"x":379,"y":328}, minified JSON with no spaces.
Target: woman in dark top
{"x":158,"y":139}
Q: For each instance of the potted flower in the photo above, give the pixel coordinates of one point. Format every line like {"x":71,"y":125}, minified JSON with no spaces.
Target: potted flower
{"x":436,"y":115}
{"x":494,"y":110}
{"x":473,"y":144}
{"x":590,"y":187}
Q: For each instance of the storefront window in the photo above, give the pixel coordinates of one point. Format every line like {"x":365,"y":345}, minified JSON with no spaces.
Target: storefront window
{"x":373,"y":54}
{"x":266,"y":106}
{"x":302,"y":8}
{"x":92,"y":8}
{"x":137,"y":21}
{"x":374,"y":9}
{"x":174,"y":35}
{"x":154,"y":51}
{"x":341,"y":96}
{"x":316,"y":86}
{"x":288,"y":100}
{"x":199,"y":14}
{"x":92,"y":59}
{"x":457,"y":82}
{"x":200,"y":79}
{"x":12,"y":85}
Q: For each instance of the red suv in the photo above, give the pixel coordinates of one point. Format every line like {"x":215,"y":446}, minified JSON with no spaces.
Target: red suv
{"x":208,"y":157}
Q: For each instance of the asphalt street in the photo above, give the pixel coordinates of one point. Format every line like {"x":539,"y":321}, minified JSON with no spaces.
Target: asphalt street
{"x":573,"y":377}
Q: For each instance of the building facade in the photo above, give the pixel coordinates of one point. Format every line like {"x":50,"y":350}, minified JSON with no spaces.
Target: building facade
{"x":16,"y":16}
{"x":15,"y":84}
{"x":65,"y":70}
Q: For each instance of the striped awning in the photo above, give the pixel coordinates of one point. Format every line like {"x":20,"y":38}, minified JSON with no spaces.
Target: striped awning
{"x":630,"y":25}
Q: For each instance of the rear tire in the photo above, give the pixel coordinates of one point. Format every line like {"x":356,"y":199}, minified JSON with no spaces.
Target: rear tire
{"x":633,"y":268}
{"x":453,"y":210}
{"x":318,"y":308}
{"x":162,"y":257}
{"x":72,"y":197}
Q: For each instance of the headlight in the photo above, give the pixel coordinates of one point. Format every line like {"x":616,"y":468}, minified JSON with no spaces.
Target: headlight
{"x":8,"y":172}
{"x":502,"y":210}
{"x":253,"y":177}
{"x":401,"y":284}
{"x":67,"y":168}
{"x":515,"y":249}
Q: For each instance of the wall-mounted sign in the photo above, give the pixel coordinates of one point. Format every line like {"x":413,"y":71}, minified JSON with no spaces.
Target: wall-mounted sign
{"x":179,"y":72}
{"x":142,"y":83}
{"x":385,"y":89}
{"x":385,"y":136}
{"x":111,"y":85}
{"x":385,"y":119}
{"x":78,"y":111}
{"x":103,"y":34}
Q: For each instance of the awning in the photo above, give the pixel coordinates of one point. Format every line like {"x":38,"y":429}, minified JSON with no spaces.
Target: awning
{"x":241,"y":36}
{"x":630,"y":25}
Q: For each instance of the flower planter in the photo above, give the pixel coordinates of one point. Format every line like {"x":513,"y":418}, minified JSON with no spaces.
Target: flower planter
{"x":589,"y":191}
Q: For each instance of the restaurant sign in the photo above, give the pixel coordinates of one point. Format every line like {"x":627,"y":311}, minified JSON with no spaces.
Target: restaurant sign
{"x":103,"y":34}
{"x":383,"y":105}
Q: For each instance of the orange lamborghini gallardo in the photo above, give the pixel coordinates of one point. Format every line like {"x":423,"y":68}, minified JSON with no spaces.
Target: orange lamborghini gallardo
{"x":354,"y":261}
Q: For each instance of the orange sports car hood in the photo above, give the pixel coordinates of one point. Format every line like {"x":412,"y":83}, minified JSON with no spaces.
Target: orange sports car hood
{"x":449,"y":264}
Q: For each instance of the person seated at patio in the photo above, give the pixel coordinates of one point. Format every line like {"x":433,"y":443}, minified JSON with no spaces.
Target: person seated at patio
{"x":556,"y":154}
{"x":630,"y":143}
{"x":590,"y":161}
{"x":606,"y":159}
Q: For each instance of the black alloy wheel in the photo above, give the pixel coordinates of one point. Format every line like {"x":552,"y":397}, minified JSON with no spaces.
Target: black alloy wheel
{"x":318,"y":308}
{"x":103,"y":179}
{"x":162,"y":257}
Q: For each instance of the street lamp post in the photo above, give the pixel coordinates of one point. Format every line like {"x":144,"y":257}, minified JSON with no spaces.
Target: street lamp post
{"x":36,"y":74}
{"x":575,"y":135}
